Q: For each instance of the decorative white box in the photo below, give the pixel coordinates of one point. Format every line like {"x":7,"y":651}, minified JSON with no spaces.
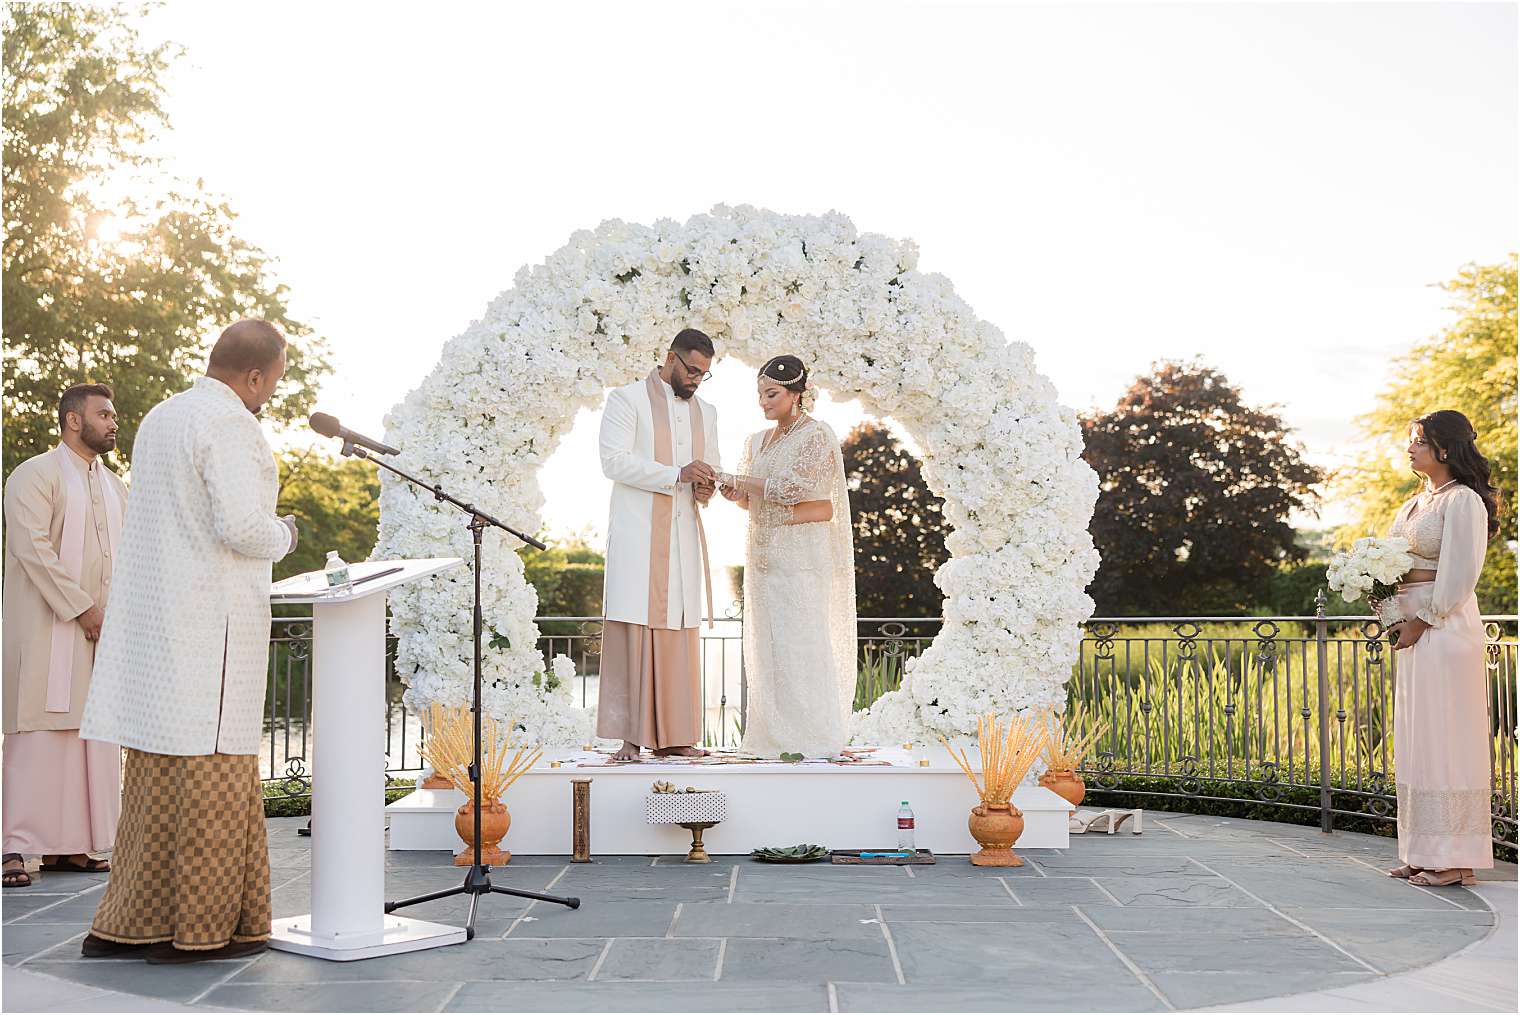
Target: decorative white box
{"x":677,"y":808}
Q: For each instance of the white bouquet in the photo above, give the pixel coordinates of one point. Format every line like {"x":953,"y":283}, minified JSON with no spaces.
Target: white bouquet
{"x":1372,"y":567}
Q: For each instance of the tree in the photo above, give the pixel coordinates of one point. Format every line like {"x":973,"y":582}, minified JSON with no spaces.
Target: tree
{"x":1470,"y":366}
{"x":899,"y":526}
{"x":567,"y":577}
{"x":103,"y":280}
{"x":336,"y":502}
{"x":1195,"y":488}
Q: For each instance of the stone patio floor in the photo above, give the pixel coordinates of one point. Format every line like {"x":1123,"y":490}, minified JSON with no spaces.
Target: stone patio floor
{"x":1196,"y":912}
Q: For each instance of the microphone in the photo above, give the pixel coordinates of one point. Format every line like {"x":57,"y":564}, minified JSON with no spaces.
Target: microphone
{"x":328,"y":426}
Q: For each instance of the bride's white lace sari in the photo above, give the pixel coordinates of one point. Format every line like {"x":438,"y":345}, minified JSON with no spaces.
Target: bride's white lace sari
{"x":799,"y":596}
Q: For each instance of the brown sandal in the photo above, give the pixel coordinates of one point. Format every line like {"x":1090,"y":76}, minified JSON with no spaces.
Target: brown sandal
{"x":16,"y":877}
{"x":66,"y":865}
{"x":1405,"y":872}
{"x":1442,"y":879}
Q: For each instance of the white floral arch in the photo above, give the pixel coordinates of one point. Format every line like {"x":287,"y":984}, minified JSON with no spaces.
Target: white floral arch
{"x":601,"y":311}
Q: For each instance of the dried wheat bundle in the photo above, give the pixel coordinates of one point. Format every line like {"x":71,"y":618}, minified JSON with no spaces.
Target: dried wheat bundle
{"x":1007,"y":755}
{"x":449,"y":748}
{"x":1067,"y":745}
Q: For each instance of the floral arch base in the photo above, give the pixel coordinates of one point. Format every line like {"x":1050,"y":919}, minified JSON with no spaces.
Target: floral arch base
{"x":600,"y":311}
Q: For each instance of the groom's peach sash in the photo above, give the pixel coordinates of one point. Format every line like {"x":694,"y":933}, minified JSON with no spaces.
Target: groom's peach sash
{"x":664,"y":505}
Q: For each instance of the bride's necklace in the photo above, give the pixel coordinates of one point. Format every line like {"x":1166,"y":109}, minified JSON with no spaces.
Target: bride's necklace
{"x":783,"y":434}
{"x":1432,"y":493}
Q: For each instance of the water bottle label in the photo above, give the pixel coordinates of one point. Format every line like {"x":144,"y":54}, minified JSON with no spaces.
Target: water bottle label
{"x":336,"y":577}
{"x":904,"y":822}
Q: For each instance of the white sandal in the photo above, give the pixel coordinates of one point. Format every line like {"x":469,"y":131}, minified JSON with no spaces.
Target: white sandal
{"x":1086,"y":821}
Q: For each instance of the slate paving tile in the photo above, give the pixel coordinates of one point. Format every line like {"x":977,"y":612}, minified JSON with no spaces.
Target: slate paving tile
{"x":78,"y":909}
{"x":1168,"y":867}
{"x":777,"y":920}
{"x":171,"y":983}
{"x":21,"y":941}
{"x":1258,"y":921}
{"x":641,"y":997}
{"x":792,"y":961}
{"x":1335,"y":885}
{"x":1395,"y":947}
{"x":1201,"y":990}
{"x":1175,"y":891}
{"x":870,"y":887}
{"x":381,"y":997}
{"x":1032,"y":995}
{"x":599,"y":918}
{"x":1054,"y":891}
{"x":659,"y":959}
{"x":671,"y":884}
{"x":896,"y":914}
{"x":962,"y":953}
{"x":481,"y":959}
{"x":20,"y":903}
{"x":1288,"y":955}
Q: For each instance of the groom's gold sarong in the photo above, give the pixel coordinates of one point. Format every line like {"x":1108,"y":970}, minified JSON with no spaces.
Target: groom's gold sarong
{"x":650,"y":691}
{"x":650,"y":686}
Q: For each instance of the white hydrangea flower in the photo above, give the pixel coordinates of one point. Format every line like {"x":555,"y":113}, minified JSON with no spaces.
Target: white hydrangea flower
{"x":597,"y":312}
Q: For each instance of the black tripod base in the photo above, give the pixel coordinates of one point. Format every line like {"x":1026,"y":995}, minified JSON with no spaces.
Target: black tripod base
{"x":477,"y":882}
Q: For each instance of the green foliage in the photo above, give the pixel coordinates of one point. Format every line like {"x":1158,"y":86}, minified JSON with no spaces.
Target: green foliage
{"x":899,"y":523}
{"x":101,"y":280}
{"x":1496,"y":582}
{"x":336,"y":502}
{"x":1471,"y":367}
{"x":1195,"y":489}
{"x":1291,"y":588}
{"x":568,"y":578}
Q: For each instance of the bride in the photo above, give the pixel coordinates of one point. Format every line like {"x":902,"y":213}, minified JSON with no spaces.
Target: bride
{"x":799,"y":575}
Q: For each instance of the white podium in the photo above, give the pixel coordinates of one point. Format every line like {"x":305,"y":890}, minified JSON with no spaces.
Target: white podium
{"x":347,"y":919}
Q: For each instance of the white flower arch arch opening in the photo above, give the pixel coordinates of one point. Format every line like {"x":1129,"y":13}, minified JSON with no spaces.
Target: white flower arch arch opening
{"x":601,"y":311}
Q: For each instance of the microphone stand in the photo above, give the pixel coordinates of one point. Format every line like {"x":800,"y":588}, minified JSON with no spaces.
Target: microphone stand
{"x":477,"y":882}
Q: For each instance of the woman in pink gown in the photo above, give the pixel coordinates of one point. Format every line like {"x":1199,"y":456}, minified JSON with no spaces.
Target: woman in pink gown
{"x":1441,"y":733}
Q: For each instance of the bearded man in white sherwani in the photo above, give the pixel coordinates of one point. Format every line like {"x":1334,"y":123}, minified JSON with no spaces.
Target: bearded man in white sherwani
{"x":659,"y":446}
{"x":180,"y":670}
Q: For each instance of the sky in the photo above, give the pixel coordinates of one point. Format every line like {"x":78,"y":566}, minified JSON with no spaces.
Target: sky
{"x":1273,"y":189}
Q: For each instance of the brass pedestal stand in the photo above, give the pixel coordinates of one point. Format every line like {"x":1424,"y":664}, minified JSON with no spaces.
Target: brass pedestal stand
{"x":698,"y":853}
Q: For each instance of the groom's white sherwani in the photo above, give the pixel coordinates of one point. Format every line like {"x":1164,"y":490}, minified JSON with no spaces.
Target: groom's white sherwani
{"x":182,"y":661}
{"x":652,"y":599}
{"x":628,"y":459}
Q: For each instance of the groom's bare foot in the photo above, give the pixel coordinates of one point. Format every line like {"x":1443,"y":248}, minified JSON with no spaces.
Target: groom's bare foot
{"x":680,"y":752}
{"x":628,"y":752}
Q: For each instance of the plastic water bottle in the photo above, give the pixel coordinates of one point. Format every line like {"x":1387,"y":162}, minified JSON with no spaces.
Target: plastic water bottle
{"x":338,"y":581}
{"x":905,"y":827}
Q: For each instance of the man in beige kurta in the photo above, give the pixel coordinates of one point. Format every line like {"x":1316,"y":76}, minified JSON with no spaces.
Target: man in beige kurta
{"x":63,"y":512}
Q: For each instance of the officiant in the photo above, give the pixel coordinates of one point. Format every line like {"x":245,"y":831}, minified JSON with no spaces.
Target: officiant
{"x":180,"y":672}
{"x":659,"y":446}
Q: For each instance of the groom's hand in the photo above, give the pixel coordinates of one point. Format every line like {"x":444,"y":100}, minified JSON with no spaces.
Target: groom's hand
{"x":698,"y":472}
{"x":703,"y":492}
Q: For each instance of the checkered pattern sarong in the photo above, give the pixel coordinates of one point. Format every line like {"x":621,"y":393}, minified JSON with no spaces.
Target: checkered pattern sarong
{"x":191,"y":863}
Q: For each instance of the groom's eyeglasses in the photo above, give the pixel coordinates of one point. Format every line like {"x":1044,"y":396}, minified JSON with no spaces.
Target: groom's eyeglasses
{"x":691,"y":371}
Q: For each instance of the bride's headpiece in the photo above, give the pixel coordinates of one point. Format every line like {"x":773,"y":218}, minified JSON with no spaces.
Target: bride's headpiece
{"x":788,"y":371}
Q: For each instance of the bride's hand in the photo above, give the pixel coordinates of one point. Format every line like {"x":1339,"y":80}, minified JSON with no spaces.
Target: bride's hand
{"x":730,"y":493}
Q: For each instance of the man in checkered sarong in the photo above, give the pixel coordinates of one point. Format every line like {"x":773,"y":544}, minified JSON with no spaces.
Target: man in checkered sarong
{"x":180,"y":671}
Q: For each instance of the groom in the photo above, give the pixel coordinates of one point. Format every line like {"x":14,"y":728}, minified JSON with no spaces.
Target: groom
{"x":659,"y":446}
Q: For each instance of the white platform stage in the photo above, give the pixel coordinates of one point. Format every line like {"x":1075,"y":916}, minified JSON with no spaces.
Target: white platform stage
{"x":769,"y":804}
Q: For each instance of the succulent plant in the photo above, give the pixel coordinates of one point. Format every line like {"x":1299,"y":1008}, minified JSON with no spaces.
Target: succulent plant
{"x":804,"y":853}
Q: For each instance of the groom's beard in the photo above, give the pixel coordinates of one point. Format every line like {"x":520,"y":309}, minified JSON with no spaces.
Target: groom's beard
{"x":681,"y":389}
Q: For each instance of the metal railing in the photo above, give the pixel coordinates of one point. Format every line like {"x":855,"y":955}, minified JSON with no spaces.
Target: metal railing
{"x":1294,"y":712}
